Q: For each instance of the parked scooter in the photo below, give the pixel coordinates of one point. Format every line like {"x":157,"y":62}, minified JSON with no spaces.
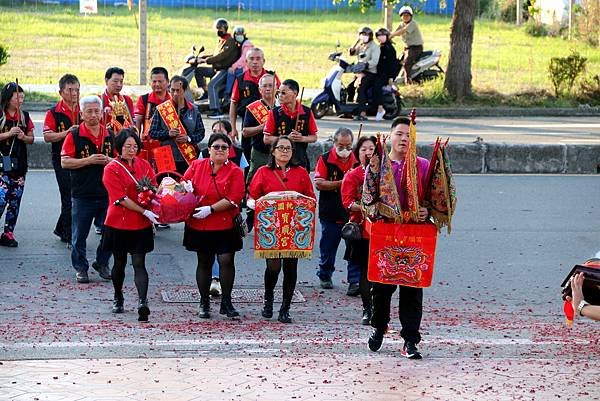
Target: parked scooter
{"x":427,"y":67}
{"x":335,"y":94}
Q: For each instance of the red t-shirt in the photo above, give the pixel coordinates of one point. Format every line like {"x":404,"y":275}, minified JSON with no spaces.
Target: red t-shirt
{"x":15,"y":117}
{"x":352,"y":190}
{"x":321,"y":169}
{"x":140,"y":107}
{"x":119,"y":184}
{"x":62,"y":108}
{"x":106,"y":104}
{"x":68,"y":148}
{"x":270,"y":127}
{"x":235,"y":92}
{"x":294,"y":178}
{"x":230,"y":181}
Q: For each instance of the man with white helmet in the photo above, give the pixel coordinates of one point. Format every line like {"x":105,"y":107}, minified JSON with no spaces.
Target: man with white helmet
{"x":413,"y":40}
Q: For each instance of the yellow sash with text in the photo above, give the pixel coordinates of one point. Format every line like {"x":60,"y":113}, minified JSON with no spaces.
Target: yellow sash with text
{"x":259,"y":111}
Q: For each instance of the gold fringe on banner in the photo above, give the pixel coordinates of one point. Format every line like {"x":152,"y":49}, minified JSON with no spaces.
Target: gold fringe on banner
{"x":277,"y":254}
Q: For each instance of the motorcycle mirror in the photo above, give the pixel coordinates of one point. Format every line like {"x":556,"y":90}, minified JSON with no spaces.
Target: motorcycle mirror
{"x":201,"y":49}
{"x":193,"y":48}
{"x":338,"y":44}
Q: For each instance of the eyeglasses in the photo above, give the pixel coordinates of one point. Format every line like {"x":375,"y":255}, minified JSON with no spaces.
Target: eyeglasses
{"x":284,"y":149}
{"x":340,"y":148}
{"x":130,"y":147}
{"x":220,"y":147}
{"x":282,"y":93}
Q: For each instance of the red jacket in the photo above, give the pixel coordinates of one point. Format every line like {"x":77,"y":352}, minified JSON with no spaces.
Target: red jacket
{"x":119,"y":184}
{"x":230,"y":181}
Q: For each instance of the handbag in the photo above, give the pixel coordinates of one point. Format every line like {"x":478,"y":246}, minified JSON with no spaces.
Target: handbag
{"x":351,"y":231}
{"x":8,"y":163}
{"x":239,"y":224}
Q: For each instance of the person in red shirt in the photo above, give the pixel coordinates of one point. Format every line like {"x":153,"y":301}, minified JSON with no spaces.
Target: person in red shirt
{"x":59,"y":121}
{"x":117,"y":108}
{"x":85,"y":152}
{"x":330,"y":170}
{"x":357,"y":251}
{"x":16,"y":132}
{"x":293,"y":119}
{"x":128,"y":225}
{"x":219,"y":184}
{"x":146,"y":104}
{"x":282,"y":173}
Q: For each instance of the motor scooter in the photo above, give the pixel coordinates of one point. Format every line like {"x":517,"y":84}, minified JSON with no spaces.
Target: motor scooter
{"x":335,"y":94}
{"x":427,"y":67}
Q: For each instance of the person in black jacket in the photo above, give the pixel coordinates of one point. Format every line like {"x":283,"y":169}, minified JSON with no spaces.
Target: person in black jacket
{"x":387,"y":69}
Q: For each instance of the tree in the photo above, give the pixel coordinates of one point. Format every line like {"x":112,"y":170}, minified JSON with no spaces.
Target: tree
{"x":458,"y":74}
{"x":3,"y":54}
{"x":364,"y":5}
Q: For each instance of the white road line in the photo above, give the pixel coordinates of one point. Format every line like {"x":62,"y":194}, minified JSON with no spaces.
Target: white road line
{"x":274,"y":342}
{"x":580,"y":140}
{"x":555,"y":125}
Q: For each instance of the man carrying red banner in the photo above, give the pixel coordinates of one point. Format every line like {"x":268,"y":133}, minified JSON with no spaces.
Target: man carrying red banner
{"x":409,"y":184}
{"x":146,"y":104}
{"x":117,"y":108}
{"x":179,"y":126}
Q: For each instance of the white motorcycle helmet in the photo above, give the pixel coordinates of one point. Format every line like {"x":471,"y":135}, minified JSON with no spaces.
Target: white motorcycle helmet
{"x":406,"y":10}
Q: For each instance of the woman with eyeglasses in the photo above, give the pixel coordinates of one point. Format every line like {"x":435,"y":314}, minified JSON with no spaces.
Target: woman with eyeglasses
{"x":292,"y":119}
{"x":16,"y":132}
{"x":357,"y":251}
{"x":282,"y":173}
{"x":210,"y":231}
{"x":128,"y":224}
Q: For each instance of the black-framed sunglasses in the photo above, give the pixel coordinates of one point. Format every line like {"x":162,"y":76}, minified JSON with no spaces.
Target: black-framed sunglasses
{"x":220,"y":147}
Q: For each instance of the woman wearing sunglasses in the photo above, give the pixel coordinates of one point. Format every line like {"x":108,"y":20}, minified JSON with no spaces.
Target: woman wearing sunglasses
{"x":210,"y":231}
{"x":282,"y":173}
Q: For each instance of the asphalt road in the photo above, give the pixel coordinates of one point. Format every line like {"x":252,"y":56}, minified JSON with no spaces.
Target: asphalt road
{"x":493,"y":310}
{"x":570,"y":130}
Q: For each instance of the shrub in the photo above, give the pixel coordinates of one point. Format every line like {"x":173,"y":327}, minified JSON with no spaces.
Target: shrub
{"x":589,"y":90}
{"x":536,"y":29}
{"x":508,"y":11}
{"x":3,"y":54}
{"x":564,"y":71}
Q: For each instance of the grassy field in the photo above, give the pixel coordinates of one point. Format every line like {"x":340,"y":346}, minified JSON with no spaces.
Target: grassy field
{"x":47,"y":41}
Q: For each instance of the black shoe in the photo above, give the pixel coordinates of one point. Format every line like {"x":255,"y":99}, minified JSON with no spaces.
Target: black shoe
{"x":103,"y":271}
{"x":62,"y":236}
{"x":267,"y":311}
{"x":204,"y":311}
{"x":82,"y":277}
{"x":376,"y":339}
{"x":118,"y":303}
{"x":8,"y":239}
{"x":143,"y":310}
{"x":366,"y":317}
{"x":284,"y":311}
{"x":227,"y":307}
{"x":326,"y":283}
{"x":353,"y":290}
{"x":410,"y":351}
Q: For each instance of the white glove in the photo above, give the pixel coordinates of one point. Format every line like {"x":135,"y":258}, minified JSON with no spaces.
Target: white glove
{"x":251,"y":203}
{"x":202,"y":212}
{"x":150,"y":215}
{"x":187,"y":185}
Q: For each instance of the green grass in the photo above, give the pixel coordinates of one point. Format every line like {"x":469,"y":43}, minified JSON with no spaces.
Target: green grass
{"x":48,"y":41}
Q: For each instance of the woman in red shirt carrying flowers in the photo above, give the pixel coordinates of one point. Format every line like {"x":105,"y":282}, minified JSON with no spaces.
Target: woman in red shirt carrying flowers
{"x":129,"y":180}
{"x":282,"y":173}
{"x":210,"y":231}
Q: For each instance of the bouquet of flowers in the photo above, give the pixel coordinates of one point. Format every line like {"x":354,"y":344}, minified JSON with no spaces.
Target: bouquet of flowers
{"x":174,"y":202}
{"x":146,"y":192}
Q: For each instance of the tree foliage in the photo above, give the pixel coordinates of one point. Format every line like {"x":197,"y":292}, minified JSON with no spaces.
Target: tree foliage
{"x":3,"y":54}
{"x":364,"y":5}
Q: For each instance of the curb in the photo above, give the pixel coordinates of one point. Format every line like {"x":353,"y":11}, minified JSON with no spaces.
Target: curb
{"x":466,"y":158}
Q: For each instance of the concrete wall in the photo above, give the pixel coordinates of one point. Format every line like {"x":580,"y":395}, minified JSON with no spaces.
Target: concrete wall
{"x":466,"y":158}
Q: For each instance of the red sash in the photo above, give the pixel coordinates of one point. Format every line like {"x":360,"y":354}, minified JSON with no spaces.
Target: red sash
{"x":169,"y":115}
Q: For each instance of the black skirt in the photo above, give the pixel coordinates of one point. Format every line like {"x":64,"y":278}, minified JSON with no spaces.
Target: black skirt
{"x":130,"y":241}
{"x":214,"y":241}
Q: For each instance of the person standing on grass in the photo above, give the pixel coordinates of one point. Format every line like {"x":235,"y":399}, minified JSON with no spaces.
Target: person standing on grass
{"x":85,"y":152}
{"x":61,"y":119}
{"x":16,"y":132}
{"x":329,"y":173}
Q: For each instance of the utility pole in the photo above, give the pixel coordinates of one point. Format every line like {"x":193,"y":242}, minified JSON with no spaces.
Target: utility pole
{"x":519,"y":12}
{"x":143,"y":50}
{"x":570,"y":18}
{"x":388,"y":12}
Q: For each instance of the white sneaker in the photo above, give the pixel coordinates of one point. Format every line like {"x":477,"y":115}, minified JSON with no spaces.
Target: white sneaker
{"x":215,"y":287}
{"x":379,"y":115}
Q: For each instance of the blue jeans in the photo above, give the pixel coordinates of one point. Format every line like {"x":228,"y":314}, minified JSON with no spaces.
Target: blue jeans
{"x":231,"y":76}
{"x":215,"y":268}
{"x":215,"y":86}
{"x":83,"y":212}
{"x":331,"y":236}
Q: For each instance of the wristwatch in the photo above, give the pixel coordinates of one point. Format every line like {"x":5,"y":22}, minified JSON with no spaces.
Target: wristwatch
{"x":580,"y":307}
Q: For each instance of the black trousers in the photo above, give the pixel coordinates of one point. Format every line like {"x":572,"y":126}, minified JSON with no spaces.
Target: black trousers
{"x":63,"y":178}
{"x":366,"y":83}
{"x":410,"y":309}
